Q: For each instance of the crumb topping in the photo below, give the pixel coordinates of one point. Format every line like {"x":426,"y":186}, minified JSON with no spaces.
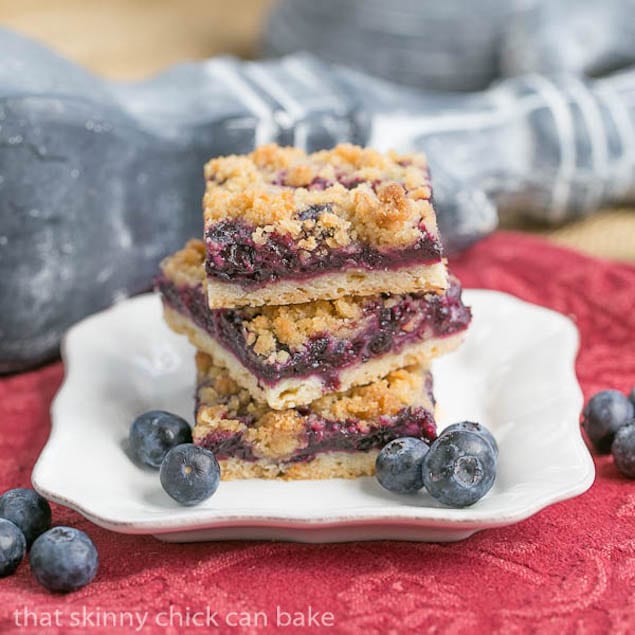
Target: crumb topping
{"x":186,"y":266}
{"x":399,"y":389}
{"x":224,"y":406}
{"x":331,"y":197}
{"x":292,"y":325}
{"x":277,"y":434}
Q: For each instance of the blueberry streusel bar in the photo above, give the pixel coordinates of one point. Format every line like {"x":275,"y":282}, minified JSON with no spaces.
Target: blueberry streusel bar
{"x":292,"y":354}
{"x":336,"y":436}
{"x":284,"y":227}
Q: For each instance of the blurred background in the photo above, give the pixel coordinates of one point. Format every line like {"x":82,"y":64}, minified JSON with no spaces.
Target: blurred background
{"x":524,"y":108}
{"x":131,"y":39}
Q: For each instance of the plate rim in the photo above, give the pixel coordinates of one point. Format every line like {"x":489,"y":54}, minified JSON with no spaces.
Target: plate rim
{"x":418,"y":517}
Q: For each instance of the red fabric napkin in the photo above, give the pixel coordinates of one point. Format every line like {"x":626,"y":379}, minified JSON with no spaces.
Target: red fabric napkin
{"x":568,"y":569}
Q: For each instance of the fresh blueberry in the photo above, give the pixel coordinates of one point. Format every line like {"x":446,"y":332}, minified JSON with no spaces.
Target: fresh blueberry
{"x":189,"y":474}
{"x":623,"y":449}
{"x":398,"y":465}
{"x":632,"y":396}
{"x":154,"y":433}
{"x":12,"y":547}
{"x":474,"y":427}
{"x":605,"y":413}
{"x":460,"y":468}
{"x":64,"y":559}
{"x":28,"y":510}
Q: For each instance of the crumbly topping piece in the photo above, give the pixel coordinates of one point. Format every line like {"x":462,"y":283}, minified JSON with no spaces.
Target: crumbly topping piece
{"x":399,"y":389}
{"x":292,"y":325}
{"x":186,"y":266}
{"x":277,"y":434}
{"x":332,"y":197}
{"x":224,"y":406}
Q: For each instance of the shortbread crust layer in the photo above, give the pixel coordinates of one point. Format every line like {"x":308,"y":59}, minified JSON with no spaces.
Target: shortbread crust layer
{"x":428,"y":278}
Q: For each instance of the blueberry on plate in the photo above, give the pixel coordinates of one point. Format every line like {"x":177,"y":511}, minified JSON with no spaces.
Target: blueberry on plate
{"x":398,"y":465}
{"x":460,"y":468}
{"x":12,"y":547}
{"x":28,"y":510}
{"x":605,"y":413}
{"x":632,"y":396}
{"x":64,"y":559}
{"x":154,"y":433}
{"x":473,"y":427}
{"x":189,"y":474}
{"x":623,"y":449}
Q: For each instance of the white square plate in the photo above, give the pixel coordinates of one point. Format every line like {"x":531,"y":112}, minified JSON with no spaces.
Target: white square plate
{"x":515,"y":373}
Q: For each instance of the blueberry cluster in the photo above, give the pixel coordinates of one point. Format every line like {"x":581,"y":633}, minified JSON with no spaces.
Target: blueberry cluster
{"x":458,"y":469}
{"x":62,"y":559}
{"x":609,"y":421}
{"x":188,"y":473}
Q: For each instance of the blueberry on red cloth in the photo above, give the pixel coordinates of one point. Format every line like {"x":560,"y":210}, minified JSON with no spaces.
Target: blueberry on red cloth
{"x":12,"y":547}
{"x":190,"y":474}
{"x":64,"y":559}
{"x":398,"y":467}
{"x":154,"y":433}
{"x":26,"y":509}
{"x":460,"y":468}
{"x":623,"y":449}
{"x":605,"y":413}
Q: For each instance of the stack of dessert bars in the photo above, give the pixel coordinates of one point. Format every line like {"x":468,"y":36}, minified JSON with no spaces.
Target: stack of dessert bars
{"x":316,"y":302}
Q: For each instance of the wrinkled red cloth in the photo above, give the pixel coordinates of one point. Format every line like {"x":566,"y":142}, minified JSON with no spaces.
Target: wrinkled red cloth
{"x":568,"y":569}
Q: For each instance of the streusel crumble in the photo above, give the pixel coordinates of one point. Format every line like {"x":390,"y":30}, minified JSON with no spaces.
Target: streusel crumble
{"x":285,"y":227}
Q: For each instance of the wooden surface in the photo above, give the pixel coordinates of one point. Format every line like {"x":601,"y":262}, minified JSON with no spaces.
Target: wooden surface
{"x":130,"y":39}
{"x":609,"y":233}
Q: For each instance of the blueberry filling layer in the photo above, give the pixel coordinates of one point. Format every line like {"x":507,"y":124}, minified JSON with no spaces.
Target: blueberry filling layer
{"x":323,"y":435}
{"x":413,"y":318}
{"x":233,"y":256}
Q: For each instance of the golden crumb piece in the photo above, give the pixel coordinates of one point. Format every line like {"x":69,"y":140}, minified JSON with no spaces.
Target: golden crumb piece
{"x":265,"y":343}
{"x":277,"y":434}
{"x":186,"y":266}
{"x":398,"y":390}
{"x":349,"y":193}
